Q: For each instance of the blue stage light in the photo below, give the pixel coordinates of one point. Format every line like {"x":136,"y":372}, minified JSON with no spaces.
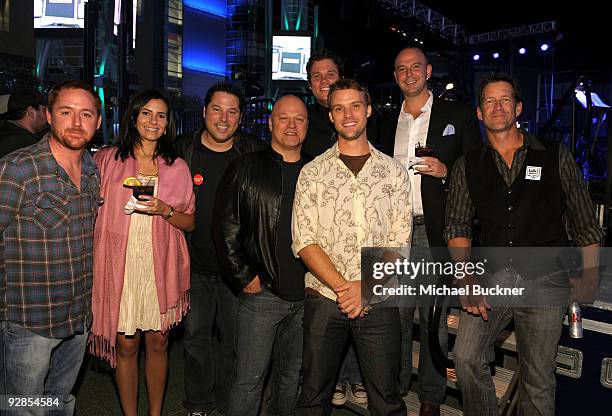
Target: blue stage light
{"x":544,"y":47}
{"x":522,"y":51}
{"x":476,"y":57}
{"x":495,"y":55}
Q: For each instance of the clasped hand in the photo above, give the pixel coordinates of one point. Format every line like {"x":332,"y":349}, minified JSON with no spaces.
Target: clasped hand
{"x":349,"y":299}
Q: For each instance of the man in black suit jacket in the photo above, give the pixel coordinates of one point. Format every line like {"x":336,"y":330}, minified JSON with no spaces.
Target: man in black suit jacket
{"x":451,"y":130}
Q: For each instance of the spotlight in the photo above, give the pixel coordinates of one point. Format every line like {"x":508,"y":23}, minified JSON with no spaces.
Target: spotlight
{"x":522,"y":51}
{"x":476,"y":57}
{"x":495,"y":55}
{"x":544,"y":47}
{"x":450,"y":86}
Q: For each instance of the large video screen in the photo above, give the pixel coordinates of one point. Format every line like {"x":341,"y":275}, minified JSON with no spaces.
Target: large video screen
{"x":290,"y":53}
{"x":59,"y":14}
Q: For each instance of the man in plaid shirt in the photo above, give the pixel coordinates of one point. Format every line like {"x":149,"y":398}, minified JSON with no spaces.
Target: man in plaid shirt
{"x":49,"y":196}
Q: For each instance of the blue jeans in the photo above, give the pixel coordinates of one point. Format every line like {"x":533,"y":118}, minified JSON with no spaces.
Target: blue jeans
{"x":538,"y":330}
{"x":377,"y":342}
{"x":209,"y":343}
{"x":33,"y":365}
{"x":268,"y":327}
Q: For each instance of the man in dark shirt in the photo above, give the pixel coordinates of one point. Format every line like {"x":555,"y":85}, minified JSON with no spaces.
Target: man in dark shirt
{"x":520,"y":190}
{"x":49,"y":194}
{"x":323,"y":69}
{"x":24,"y":120}
{"x":208,"y":152}
{"x":252,"y":229}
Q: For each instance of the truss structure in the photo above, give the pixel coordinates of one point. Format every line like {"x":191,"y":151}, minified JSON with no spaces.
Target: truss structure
{"x":432,"y":20}
{"x":513,"y":33}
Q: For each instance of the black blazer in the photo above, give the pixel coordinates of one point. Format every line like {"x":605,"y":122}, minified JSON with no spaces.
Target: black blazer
{"x":448,"y":148}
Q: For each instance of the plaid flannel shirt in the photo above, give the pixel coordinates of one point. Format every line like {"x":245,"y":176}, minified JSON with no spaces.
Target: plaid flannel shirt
{"x":46,"y":242}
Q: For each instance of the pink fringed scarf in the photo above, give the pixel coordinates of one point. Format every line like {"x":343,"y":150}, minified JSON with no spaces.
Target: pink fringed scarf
{"x":170,"y":253}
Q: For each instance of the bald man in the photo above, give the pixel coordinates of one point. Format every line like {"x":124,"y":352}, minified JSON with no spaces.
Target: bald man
{"x":252,"y":232}
{"x":450,"y":129}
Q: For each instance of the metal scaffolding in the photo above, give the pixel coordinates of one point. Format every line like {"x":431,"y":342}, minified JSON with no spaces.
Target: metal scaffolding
{"x":512,"y":33}
{"x":432,"y":20}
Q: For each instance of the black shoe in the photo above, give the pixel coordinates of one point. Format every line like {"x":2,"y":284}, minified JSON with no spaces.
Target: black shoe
{"x":429,"y":409}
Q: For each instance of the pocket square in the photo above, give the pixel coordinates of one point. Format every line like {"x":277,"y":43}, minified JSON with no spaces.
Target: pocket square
{"x":448,"y":130}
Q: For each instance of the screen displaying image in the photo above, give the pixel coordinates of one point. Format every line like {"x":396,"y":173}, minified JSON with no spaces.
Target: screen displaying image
{"x":59,"y":14}
{"x":289,"y":57}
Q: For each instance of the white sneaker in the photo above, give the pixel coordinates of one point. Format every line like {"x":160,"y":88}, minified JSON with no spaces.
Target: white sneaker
{"x":359,"y":393}
{"x":339,"y":397}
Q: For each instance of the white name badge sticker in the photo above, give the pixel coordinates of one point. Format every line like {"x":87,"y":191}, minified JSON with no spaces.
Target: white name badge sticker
{"x":533,"y":173}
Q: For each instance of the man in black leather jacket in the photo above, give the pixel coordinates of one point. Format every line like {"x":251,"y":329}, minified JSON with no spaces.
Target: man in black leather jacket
{"x":208,"y":151}
{"x":252,"y":231}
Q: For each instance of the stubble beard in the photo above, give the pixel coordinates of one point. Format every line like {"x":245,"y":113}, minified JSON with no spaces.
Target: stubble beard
{"x":59,"y":137}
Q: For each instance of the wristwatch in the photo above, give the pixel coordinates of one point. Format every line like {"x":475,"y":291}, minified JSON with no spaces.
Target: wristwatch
{"x":170,"y":214}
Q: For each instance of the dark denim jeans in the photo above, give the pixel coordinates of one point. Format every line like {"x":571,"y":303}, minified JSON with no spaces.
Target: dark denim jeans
{"x":268,"y":327}
{"x":349,"y":371}
{"x":209,"y":343}
{"x":432,"y":384}
{"x":33,"y":365}
{"x":377,"y":342}
{"x":538,"y":330}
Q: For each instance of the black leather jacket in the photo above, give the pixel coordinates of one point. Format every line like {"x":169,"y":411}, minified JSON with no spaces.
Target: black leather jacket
{"x":247,"y":210}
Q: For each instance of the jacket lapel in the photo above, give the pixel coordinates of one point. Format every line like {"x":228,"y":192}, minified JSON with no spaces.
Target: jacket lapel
{"x":434,"y":132}
{"x":388,"y":144}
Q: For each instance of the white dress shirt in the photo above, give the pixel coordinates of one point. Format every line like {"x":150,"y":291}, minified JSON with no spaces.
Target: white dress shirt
{"x":409,"y":132}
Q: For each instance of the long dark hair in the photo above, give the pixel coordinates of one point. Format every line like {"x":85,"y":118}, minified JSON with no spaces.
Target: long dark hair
{"x":129,"y":137}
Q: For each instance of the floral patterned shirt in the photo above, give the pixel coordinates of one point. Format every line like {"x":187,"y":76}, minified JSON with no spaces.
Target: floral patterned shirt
{"x":343,"y":212}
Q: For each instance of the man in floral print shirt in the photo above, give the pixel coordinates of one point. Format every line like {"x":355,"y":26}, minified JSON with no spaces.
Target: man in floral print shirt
{"x":351,"y":196}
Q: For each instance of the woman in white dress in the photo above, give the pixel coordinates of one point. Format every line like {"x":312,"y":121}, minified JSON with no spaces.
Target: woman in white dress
{"x":141,"y":261}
